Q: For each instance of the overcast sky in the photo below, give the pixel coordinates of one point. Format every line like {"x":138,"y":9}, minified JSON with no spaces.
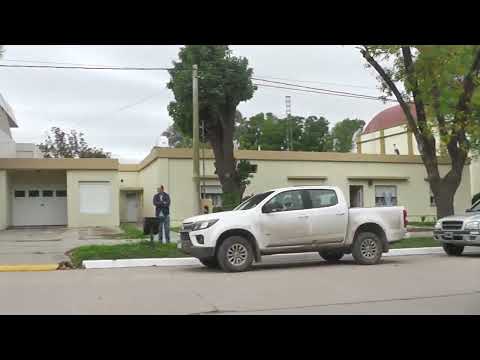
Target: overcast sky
{"x":126,"y":111}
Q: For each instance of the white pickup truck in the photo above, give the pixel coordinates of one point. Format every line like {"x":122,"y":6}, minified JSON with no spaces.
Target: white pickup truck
{"x":292,"y":220}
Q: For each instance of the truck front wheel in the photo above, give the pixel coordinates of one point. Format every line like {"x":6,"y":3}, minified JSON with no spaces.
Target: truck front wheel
{"x":367,"y":248}
{"x":235,"y":254}
{"x":453,"y":250}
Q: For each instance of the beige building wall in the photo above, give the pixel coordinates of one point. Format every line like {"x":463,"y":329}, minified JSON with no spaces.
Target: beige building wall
{"x":372,"y":146}
{"x":128,"y":179}
{"x":150,"y":178}
{"x":475,"y":175}
{"x":75,"y":217}
{"x":413,"y":190}
{"x":4,"y":200}
{"x":37,"y":177}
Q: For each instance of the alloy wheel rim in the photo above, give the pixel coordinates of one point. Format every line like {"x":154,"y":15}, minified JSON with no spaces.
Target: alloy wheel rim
{"x":237,"y":254}
{"x":369,"y":248}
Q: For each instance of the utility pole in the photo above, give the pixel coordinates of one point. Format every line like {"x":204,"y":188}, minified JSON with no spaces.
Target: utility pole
{"x":196,"y":133}
{"x":288,"y":108}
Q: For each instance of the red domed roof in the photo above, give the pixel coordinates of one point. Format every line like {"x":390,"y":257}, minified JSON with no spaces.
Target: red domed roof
{"x":388,"y":118}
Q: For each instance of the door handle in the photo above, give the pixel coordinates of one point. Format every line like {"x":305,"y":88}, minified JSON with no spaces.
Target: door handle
{"x":303,"y":217}
{"x":340,"y":214}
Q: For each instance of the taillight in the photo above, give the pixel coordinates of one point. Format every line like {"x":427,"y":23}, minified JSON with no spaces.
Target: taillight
{"x":405,"y":221}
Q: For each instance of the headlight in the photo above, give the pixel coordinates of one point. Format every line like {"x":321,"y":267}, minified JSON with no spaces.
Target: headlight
{"x":474,"y":225}
{"x":438,"y":225}
{"x":200,"y":225}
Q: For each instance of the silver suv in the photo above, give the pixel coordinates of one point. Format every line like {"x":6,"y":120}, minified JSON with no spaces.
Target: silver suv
{"x":457,"y":231}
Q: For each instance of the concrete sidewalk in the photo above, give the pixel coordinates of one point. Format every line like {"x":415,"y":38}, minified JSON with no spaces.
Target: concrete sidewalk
{"x":48,"y":245}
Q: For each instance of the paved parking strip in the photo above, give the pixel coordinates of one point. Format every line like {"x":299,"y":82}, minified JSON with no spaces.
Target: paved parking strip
{"x":428,"y":284}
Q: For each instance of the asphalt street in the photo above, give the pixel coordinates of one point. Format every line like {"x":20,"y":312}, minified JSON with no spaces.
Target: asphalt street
{"x":293,"y":284}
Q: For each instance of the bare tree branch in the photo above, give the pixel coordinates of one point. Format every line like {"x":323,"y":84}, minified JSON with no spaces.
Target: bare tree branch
{"x":405,"y":107}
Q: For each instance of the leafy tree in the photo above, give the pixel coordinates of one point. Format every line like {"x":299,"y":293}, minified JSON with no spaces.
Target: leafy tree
{"x":271,"y":133}
{"x":442,"y":82}
{"x":248,"y":131}
{"x":342,"y":134}
{"x":224,"y":82}
{"x":315,"y":136}
{"x":176,"y":139}
{"x":60,"y":144}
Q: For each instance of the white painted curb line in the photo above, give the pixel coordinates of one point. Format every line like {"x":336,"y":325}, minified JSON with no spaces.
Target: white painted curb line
{"x":188,"y":261}
{"x":122,"y":263}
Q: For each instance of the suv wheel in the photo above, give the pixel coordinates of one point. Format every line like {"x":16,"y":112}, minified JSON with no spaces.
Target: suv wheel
{"x":331,"y":256}
{"x":210,"y":262}
{"x":367,"y":248}
{"x":235,"y":254}
{"x":453,"y":250}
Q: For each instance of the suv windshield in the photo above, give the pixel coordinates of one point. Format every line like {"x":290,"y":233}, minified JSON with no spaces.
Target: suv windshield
{"x":253,"y":201}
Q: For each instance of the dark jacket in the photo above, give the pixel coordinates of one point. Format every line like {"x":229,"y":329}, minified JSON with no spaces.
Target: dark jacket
{"x":161,"y":202}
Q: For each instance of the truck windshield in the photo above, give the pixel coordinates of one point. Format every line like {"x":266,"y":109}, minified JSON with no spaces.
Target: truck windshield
{"x":476,"y":207}
{"x":253,"y":201}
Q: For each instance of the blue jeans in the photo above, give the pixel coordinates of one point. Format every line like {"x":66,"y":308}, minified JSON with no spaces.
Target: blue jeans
{"x":164,"y":225}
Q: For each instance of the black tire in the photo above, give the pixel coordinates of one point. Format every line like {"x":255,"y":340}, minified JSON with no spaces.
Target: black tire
{"x":235,"y":254}
{"x":210,"y":262}
{"x":367,"y":248}
{"x":331,"y":256}
{"x":453,"y":250}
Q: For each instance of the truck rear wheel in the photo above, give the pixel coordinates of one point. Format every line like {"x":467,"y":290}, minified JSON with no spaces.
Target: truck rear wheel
{"x":331,"y":256}
{"x":453,"y":250}
{"x":210,"y":262}
{"x":367,"y":248}
{"x":235,"y":254}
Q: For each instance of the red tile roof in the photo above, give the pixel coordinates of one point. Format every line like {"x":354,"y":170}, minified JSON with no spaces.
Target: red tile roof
{"x":388,"y":118}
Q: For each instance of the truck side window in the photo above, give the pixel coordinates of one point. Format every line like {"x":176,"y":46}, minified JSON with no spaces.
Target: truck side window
{"x":288,"y":200}
{"x":323,"y":198}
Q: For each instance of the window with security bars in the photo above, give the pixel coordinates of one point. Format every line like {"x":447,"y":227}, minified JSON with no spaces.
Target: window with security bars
{"x":386,"y":195}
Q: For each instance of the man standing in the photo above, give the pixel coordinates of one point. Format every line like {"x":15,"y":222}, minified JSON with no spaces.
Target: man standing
{"x":161,"y":200}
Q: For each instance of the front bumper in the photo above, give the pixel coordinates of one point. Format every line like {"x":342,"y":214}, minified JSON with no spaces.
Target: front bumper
{"x":464,"y":238}
{"x":199,"y":252}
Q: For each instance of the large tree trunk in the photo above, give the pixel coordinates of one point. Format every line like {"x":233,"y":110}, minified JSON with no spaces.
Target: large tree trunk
{"x":221,"y":140}
{"x":444,"y":194}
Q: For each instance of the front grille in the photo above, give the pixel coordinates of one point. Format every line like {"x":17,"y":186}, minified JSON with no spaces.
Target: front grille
{"x":185,"y":237}
{"x":452,"y":225}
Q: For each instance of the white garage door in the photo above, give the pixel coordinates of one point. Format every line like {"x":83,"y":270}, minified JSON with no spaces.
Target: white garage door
{"x":39,"y":205}
{"x":95,"y":197}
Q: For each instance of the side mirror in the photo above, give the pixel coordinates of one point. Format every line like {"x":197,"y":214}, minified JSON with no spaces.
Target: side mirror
{"x":468,"y":210}
{"x":270,"y":207}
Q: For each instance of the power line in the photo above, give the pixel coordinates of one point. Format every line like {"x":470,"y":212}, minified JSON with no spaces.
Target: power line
{"x":325,"y":93}
{"x":262,"y":76}
{"x":312,"y":89}
{"x":52,"y":62}
{"x":324,"y":90}
{"x":318,"y":82}
{"x":87,"y":67}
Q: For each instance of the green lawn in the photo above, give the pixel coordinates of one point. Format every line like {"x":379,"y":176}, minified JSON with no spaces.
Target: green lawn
{"x":415,"y":242}
{"x":424,"y":224}
{"x":138,"y":250}
{"x":131,"y":232}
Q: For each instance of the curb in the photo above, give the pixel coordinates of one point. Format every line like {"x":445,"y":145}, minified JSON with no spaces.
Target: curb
{"x":32,"y":267}
{"x":189,"y":261}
